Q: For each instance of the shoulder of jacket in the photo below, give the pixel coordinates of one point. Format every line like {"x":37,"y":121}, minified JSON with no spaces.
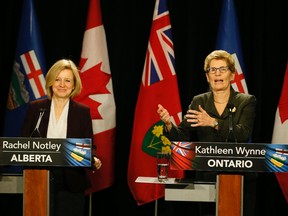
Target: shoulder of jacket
{"x":203,"y":95}
{"x":79,"y":105}
{"x":245,"y":95}
{"x":42,"y":103}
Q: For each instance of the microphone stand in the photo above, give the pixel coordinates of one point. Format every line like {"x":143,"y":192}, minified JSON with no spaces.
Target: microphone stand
{"x":36,"y":129}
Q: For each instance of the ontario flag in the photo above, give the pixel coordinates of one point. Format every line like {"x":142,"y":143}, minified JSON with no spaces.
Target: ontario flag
{"x":98,"y":94}
{"x":229,"y":39}
{"x":28,"y":73}
{"x":280,"y":134}
{"x":159,"y":85}
{"x":182,"y":155}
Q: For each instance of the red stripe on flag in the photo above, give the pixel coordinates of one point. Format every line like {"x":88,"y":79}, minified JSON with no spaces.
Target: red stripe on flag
{"x":238,"y":79}
{"x":34,"y":73}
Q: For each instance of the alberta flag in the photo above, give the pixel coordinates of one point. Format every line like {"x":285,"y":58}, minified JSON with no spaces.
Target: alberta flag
{"x":229,"y":39}
{"x":28,"y":74}
{"x":280,"y":134}
{"x":98,"y":94}
{"x":158,"y":86}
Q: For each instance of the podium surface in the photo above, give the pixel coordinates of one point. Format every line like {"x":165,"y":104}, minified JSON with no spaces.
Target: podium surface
{"x":230,"y":161}
{"x":175,"y":190}
{"x":37,"y":155}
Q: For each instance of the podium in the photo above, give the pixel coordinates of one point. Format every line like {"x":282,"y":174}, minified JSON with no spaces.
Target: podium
{"x":36,"y":192}
{"x":229,"y":195}
{"x":226,"y":192}
{"x":37,"y":155}
{"x":229,"y":161}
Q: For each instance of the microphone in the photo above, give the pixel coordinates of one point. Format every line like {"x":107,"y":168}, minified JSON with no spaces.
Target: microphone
{"x":231,"y":109}
{"x":36,"y":129}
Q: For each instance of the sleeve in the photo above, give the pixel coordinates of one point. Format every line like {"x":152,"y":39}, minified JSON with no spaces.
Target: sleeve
{"x":88,"y":129}
{"x":244,"y":127}
{"x":29,"y":121}
{"x":184,"y":132}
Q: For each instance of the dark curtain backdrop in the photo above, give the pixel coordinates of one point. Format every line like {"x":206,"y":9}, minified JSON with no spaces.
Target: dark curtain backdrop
{"x":263,"y":29}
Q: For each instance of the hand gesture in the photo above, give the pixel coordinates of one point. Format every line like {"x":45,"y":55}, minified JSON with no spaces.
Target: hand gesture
{"x":164,"y":116}
{"x":199,"y":118}
{"x":97,"y":163}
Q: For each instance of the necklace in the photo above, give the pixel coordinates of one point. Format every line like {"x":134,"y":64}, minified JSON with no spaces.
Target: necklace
{"x":224,"y":98}
{"x":220,"y":102}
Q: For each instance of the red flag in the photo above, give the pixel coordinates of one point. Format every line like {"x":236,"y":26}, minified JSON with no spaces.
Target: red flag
{"x":98,"y":94}
{"x":280,"y":134}
{"x":159,"y":85}
{"x":182,"y":155}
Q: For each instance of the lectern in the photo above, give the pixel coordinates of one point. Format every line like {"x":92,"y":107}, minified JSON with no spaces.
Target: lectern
{"x":229,"y":195}
{"x":36,"y":192}
{"x":226,"y":192}
{"x":38,"y":155}
{"x":230,"y":161}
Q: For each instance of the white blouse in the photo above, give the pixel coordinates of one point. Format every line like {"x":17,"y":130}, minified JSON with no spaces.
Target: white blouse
{"x":57,"y":129}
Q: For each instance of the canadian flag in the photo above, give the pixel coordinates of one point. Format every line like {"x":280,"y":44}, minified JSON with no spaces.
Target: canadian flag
{"x":97,"y":93}
{"x":280,"y":134}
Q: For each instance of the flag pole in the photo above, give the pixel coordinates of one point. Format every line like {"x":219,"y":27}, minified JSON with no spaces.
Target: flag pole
{"x":156,"y":207}
{"x":90,"y":204}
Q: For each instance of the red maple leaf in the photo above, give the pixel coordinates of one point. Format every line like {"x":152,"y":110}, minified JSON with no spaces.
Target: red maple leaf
{"x":94,"y":82}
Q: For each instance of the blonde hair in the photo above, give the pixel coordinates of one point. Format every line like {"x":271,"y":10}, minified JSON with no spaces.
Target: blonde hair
{"x":223,"y":55}
{"x":54,"y":71}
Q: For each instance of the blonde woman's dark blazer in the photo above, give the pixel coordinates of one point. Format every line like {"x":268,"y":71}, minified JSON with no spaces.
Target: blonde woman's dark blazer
{"x":79,"y":125}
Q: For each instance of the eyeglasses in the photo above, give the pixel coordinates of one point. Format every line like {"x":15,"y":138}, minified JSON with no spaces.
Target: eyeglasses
{"x":222,"y":69}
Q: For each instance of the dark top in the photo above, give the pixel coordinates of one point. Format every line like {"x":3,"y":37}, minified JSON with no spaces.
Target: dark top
{"x":242,"y":120}
{"x":79,"y":125}
{"x":242,"y":125}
